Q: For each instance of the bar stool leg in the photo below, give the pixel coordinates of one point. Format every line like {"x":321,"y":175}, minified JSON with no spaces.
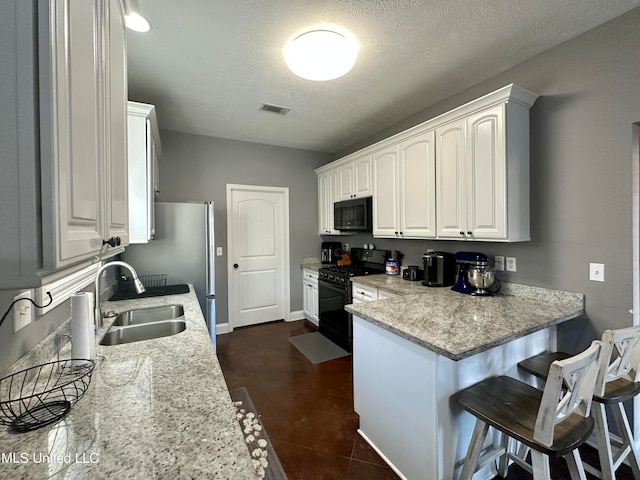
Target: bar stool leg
{"x":503,"y":460}
{"x":605,"y":452}
{"x":574,"y":462}
{"x":475,"y":448}
{"x":620,"y":416}
{"x":540,"y":466}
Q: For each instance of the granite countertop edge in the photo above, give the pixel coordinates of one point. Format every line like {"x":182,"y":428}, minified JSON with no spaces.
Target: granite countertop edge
{"x":428,"y":316}
{"x":459,"y":355}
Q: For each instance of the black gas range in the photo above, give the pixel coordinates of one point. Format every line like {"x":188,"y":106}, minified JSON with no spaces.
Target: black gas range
{"x":334,"y":292}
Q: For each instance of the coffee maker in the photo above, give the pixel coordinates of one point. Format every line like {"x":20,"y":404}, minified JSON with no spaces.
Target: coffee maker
{"x":331,"y":252}
{"x":475,"y":275}
{"x":439,"y":269}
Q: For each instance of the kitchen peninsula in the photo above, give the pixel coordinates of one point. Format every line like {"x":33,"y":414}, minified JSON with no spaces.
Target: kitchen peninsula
{"x":413,"y":351}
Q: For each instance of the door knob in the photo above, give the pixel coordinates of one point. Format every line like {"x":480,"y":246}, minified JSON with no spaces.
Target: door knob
{"x":235,"y":265}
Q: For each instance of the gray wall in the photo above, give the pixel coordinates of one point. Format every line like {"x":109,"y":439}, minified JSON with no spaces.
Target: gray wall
{"x":194,"y":167}
{"x":581,"y":173}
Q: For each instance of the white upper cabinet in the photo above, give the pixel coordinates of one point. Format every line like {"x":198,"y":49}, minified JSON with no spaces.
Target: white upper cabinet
{"x":144,"y":149}
{"x":116,"y":156}
{"x":451,"y":179}
{"x":483,"y":178}
{"x":386,"y":184}
{"x":349,"y":178}
{"x":327,"y":195}
{"x":463,"y":175}
{"x":404,"y":189}
{"x":68,"y":96}
{"x":354,"y":178}
{"x":417,"y":186}
{"x":73,"y":140}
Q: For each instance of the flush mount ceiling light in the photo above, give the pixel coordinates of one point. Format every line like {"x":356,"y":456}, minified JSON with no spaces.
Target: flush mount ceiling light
{"x":321,"y":55}
{"x":133,"y":20}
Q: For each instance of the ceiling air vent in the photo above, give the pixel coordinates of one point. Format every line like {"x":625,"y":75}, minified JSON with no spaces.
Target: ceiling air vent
{"x":274,"y":109}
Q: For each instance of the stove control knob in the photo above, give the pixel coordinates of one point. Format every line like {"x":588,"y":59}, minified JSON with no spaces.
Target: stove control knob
{"x":342,"y":280}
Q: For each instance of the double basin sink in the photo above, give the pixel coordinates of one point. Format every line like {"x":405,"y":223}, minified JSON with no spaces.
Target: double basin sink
{"x":145,"y":324}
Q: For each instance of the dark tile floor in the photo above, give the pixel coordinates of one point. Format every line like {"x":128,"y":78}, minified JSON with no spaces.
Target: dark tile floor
{"x":307,"y":409}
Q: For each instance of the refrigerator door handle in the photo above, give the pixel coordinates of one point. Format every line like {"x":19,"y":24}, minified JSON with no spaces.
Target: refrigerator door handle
{"x":210,"y":250}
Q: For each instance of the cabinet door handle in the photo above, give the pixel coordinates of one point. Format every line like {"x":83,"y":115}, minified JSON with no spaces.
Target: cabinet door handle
{"x":469,"y":232}
{"x":461,"y":232}
{"x":113,"y":241}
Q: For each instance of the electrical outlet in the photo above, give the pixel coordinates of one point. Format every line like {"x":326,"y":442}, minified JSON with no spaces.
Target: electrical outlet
{"x":511,"y":264}
{"x":346,"y":247}
{"x":22,"y":311}
{"x":219,"y":251}
{"x":596,"y":272}
{"x":498,"y":263}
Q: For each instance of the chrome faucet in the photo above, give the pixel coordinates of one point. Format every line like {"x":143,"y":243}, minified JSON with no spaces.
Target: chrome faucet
{"x":136,"y":283}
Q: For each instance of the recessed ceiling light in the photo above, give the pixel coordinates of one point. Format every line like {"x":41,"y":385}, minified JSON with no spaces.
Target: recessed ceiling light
{"x":321,"y":55}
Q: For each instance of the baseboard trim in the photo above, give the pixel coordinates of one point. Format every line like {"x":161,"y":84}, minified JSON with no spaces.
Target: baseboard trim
{"x":222,"y":328}
{"x":386,"y":460}
{"x":296,"y":315}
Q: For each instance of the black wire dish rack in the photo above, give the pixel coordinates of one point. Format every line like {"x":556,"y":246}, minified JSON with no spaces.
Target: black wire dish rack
{"x":41,"y":395}
{"x":153,"y":284}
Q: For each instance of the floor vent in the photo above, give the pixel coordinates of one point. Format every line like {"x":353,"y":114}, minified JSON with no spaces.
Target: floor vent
{"x":274,"y":109}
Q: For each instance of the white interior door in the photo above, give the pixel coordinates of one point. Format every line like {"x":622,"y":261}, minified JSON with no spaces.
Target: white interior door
{"x":258,"y":239}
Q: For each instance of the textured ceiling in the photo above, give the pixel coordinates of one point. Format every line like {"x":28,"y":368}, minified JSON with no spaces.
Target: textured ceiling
{"x":208,"y":65}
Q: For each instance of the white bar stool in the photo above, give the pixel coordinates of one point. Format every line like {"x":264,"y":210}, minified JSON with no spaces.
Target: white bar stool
{"x":618,"y":380}
{"x":552,"y":422}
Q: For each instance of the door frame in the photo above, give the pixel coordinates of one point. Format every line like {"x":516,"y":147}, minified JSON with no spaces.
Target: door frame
{"x":286,"y":294}
{"x":635,"y":176}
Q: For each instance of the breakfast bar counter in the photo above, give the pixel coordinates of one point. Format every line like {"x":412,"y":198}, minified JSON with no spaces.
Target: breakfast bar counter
{"x":154,"y":409}
{"x":457,"y":325}
{"x":413,"y":351}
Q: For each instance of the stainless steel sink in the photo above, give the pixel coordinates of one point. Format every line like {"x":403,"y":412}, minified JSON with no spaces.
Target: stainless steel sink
{"x":147,"y":315}
{"x":117,"y":335}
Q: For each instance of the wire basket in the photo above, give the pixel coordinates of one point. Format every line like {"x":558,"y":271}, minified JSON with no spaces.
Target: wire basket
{"x":39,"y":396}
{"x":153,"y":283}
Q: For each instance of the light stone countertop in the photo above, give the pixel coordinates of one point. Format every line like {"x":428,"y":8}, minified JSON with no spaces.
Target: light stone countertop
{"x":155,"y":409}
{"x":456,"y":325}
{"x":311,"y":263}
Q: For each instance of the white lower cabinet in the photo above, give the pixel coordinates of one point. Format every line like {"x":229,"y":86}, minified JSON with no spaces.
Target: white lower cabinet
{"x":365,"y":293}
{"x":67,"y":78}
{"x":310,"y":295}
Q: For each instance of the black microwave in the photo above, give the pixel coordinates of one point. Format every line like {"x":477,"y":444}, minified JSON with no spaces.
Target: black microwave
{"x":353,"y":215}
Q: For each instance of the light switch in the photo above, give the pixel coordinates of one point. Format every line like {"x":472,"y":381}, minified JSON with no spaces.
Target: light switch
{"x":596,"y":272}
{"x":219,"y":251}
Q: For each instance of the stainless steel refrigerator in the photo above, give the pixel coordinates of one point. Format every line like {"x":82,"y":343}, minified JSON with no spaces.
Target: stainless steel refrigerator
{"x":184,"y":249}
